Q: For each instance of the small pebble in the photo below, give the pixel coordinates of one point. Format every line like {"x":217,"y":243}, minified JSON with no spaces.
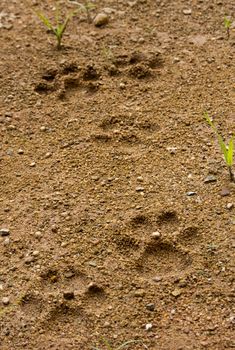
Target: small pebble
{"x":20,"y":151}
{"x":230,"y":206}
{"x":176,"y":292}
{"x":32,"y":164}
{"x":176,"y":60}
{"x":69,"y":274}
{"x":139,"y":293}
{"x":150,"y":307}
{"x":5,"y":301}
{"x":48,"y":155}
{"x":101,"y":19}
{"x":4,"y":232}
{"x":38,"y":234}
{"x":29,"y":259}
{"x":225,"y":192}
{"x":148,"y":326}
{"x":187,"y":12}
{"x":140,"y":179}
{"x":139,"y":189}
{"x":210,"y":178}
{"x":94,"y":288}
{"x":191,"y":193}
{"x":43,"y":128}
{"x":157,"y":278}
{"x":156,"y":235}
{"x":122,"y":86}
{"x":92,"y":263}
{"x":68,"y":295}
{"x":172,"y":150}
{"x":35,"y":253}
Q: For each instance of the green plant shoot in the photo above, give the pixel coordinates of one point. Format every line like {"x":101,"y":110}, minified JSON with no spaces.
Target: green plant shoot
{"x":86,"y":7}
{"x":227,"y":150}
{"x":60,"y":27}
{"x":227,"y":25}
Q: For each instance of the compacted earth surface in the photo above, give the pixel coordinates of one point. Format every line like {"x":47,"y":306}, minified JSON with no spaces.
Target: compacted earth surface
{"x":117,"y":212}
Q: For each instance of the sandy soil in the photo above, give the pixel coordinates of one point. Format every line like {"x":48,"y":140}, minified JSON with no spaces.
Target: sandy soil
{"x":116,"y":208}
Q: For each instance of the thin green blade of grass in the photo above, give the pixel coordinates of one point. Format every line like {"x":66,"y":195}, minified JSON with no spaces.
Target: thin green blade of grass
{"x":223,"y":147}
{"x":63,"y":26}
{"x":45,"y":20}
{"x":209,"y":121}
{"x":221,"y":142}
{"x":230,"y":152}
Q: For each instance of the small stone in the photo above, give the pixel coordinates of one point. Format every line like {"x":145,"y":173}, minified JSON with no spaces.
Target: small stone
{"x":225,"y":192}
{"x":187,"y":12}
{"x":20,"y":151}
{"x":191,"y":193}
{"x":4,"y":232}
{"x":94,"y":288}
{"x":68,"y":295}
{"x":150,"y":307}
{"x":139,"y":189}
{"x":92,"y":263}
{"x":108,"y":10}
{"x":176,"y":292}
{"x":141,"y":40}
{"x":43,"y":128}
{"x":54,"y":228}
{"x":172,"y":150}
{"x":32,"y":164}
{"x":29,"y":260}
{"x":148,"y":326}
{"x":176,"y":60}
{"x":140,"y":179}
{"x":69,"y":274}
{"x":139,"y":293}
{"x":122,"y":86}
{"x":38,"y":234}
{"x":156,"y":235}
{"x":48,"y":155}
{"x":157,"y":278}
{"x":35,"y":253}
{"x":210,"y":178}
{"x":5,"y":301}
{"x":230,"y":206}
{"x":101,"y":19}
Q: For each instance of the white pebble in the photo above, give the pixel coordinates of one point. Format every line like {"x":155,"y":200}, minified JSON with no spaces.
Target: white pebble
{"x":148,"y":326}
{"x":156,"y":234}
{"x":5,"y":300}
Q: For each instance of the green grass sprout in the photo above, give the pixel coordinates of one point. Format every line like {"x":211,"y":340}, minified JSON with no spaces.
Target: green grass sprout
{"x":59,"y":28}
{"x":227,"y":25}
{"x":87,"y":7}
{"x":227,"y":150}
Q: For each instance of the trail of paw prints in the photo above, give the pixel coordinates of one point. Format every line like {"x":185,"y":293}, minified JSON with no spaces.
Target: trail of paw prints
{"x":70,"y":77}
{"x":67,"y":80}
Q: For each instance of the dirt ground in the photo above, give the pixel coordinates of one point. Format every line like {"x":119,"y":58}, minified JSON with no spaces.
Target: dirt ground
{"x":116,"y":208}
